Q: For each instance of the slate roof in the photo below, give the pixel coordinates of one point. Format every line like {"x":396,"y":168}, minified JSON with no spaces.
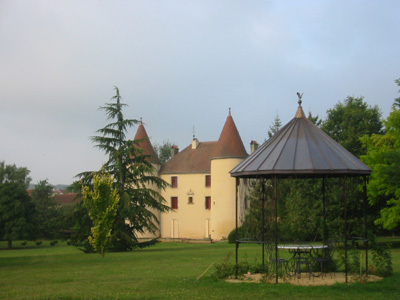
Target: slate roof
{"x":198,"y":160}
{"x":146,"y":145}
{"x":300,"y":148}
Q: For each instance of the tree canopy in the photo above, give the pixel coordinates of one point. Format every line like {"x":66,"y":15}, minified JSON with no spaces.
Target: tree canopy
{"x":16,"y":207}
{"x":351,"y":119}
{"x":163,"y":151}
{"x":12,"y":173}
{"x":101,"y":202}
{"x":383,"y":157}
{"x":47,"y":210}
{"x":16,"y":213}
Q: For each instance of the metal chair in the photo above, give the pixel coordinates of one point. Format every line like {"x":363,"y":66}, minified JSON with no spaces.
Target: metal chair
{"x":277,"y":264}
{"x":324,"y":263}
{"x":301,"y":259}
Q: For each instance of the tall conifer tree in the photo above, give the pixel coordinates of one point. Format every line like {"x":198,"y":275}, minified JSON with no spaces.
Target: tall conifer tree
{"x":133,"y":175}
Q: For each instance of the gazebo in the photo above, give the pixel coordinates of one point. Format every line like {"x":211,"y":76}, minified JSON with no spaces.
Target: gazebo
{"x":302,"y":150}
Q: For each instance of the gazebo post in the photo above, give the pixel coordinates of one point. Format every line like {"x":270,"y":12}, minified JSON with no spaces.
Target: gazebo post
{"x":365,"y":225}
{"x":325,"y":235}
{"x":263,"y":222}
{"x":324,"y":210}
{"x":345,"y":227}
{"x":276,"y":227}
{"x":237,"y":230}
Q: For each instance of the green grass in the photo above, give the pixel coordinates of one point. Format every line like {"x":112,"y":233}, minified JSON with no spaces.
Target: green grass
{"x":165,"y":271}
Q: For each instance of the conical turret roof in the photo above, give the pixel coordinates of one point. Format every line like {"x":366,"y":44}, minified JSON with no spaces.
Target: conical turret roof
{"x":230,"y":143}
{"x":145,"y":144}
{"x":300,"y":148}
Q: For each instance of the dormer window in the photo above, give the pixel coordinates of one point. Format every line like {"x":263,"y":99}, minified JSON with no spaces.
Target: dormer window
{"x":190,"y":196}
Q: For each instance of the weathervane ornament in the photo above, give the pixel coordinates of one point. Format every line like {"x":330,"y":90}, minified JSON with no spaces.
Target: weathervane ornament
{"x":300,"y":96}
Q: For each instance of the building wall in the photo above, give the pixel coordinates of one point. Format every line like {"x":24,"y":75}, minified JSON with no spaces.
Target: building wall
{"x":223,"y":197}
{"x":190,"y":220}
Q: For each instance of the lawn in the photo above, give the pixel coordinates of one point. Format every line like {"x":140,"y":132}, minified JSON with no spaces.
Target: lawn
{"x":165,"y":271}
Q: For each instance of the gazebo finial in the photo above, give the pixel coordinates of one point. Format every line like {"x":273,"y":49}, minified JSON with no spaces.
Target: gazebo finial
{"x":300,"y":96}
{"x":299,"y":112}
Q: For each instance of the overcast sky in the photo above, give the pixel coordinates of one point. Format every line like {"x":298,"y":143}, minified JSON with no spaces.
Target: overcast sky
{"x":181,"y":65}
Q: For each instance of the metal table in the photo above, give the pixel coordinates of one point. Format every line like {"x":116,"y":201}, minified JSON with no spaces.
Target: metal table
{"x":302,"y":254}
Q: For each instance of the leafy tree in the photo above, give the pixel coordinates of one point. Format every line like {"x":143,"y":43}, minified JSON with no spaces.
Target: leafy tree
{"x":383,"y":157}
{"x":347,"y":122}
{"x":65,"y":221}
{"x":10,"y":173}
{"x":301,"y":211}
{"x":47,"y":210}
{"x":252,"y":228}
{"x":133,"y":174}
{"x":75,"y":187}
{"x":163,"y":151}
{"x":16,"y":208}
{"x":16,"y":213}
{"x":101,"y":203}
{"x":81,"y":228}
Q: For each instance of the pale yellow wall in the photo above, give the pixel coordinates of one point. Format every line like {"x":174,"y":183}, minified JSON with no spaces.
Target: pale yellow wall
{"x":223,"y":197}
{"x":189,"y":220}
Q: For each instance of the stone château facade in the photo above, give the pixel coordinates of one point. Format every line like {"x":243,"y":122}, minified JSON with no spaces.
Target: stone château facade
{"x":202,"y":192}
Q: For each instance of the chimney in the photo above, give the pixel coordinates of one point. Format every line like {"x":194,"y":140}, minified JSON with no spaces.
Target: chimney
{"x":253,"y":146}
{"x":195,"y":143}
{"x":174,"y":150}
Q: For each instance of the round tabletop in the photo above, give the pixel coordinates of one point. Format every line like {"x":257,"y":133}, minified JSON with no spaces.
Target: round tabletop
{"x":302,"y":247}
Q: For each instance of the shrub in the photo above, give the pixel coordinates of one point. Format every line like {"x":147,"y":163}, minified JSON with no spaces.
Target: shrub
{"x":23,"y":243}
{"x":38,"y":243}
{"x":381,"y":261}
{"x":227,"y":269}
{"x":353,"y":261}
{"x":232,"y":235}
{"x":53,"y":243}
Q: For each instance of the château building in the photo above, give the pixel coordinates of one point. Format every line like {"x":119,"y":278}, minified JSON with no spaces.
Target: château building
{"x":201,"y":192}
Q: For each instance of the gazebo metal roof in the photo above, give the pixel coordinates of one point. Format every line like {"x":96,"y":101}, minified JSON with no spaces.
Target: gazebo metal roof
{"x":300,"y":148}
